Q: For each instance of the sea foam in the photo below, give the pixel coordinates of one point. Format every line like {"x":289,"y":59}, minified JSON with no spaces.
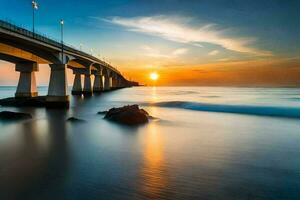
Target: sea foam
{"x":289,"y":112}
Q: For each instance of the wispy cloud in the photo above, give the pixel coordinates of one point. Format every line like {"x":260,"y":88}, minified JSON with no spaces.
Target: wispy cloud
{"x":224,"y":59}
{"x":152,"y":52}
{"x":180,"y":29}
{"x":213,"y":53}
{"x":180,"y":51}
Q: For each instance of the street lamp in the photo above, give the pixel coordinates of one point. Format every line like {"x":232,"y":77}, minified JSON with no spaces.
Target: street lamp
{"x":62,"y":39}
{"x":34,"y":7}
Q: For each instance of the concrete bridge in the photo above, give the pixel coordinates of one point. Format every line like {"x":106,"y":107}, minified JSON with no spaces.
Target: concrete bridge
{"x":27,"y":50}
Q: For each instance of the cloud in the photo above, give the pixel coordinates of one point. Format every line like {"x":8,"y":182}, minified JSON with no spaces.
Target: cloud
{"x":180,"y":51}
{"x":152,"y":52}
{"x":213,"y":53}
{"x":179,"y":29}
{"x":224,"y":59}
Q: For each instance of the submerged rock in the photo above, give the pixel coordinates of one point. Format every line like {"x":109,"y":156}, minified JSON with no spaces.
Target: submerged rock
{"x":7,"y":115}
{"x":24,"y":102}
{"x":102,"y":112}
{"x":73,"y":119}
{"x":129,"y":115}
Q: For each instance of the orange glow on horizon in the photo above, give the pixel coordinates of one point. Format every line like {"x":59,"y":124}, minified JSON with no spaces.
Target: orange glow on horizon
{"x":265,"y":72}
{"x":268,"y":72}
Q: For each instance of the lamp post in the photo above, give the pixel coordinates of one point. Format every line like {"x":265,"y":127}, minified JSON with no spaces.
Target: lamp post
{"x":34,"y":7}
{"x":62,"y":39}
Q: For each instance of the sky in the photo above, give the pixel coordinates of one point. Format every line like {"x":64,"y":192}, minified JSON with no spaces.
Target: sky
{"x":188,"y":43}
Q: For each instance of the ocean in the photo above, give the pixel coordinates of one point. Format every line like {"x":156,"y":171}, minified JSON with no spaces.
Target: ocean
{"x":205,"y":143}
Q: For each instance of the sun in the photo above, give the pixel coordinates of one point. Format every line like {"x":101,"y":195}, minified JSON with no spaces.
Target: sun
{"x":154,"y":76}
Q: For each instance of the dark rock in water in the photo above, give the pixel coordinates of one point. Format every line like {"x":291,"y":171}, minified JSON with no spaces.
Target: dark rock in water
{"x":73,"y":119}
{"x":102,"y":112}
{"x":24,"y":102}
{"x":129,"y":115}
{"x":39,"y":101}
{"x":7,"y":115}
{"x":152,"y":118}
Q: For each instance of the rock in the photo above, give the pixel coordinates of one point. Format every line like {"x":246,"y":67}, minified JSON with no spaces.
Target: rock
{"x":73,"y":119}
{"x":102,"y":112}
{"x":129,"y":115}
{"x":24,"y":102}
{"x":152,"y":118}
{"x":7,"y":115}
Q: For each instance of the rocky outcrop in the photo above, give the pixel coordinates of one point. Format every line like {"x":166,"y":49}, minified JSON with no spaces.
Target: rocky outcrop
{"x":7,"y":115}
{"x":24,"y":102}
{"x":75,"y":120}
{"x":129,"y":115}
{"x":102,"y":112}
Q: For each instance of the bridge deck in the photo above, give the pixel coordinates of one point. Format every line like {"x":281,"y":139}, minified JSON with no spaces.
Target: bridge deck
{"x":12,"y":28}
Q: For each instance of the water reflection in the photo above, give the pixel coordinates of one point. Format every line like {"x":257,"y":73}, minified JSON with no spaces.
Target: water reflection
{"x":183,"y":155}
{"x":154,"y":96}
{"x":154,"y":172}
{"x":35,"y":152}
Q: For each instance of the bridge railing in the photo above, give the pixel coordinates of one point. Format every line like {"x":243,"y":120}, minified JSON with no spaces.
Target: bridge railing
{"x":43,"y":38}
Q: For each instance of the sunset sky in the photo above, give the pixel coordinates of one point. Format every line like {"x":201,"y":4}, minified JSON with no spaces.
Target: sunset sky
{"x":191,"y":42}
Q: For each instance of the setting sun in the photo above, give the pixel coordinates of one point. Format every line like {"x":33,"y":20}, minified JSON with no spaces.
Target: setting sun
{"x":154,"y":76}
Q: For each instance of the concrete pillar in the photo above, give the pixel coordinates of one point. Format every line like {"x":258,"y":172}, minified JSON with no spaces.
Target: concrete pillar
{"x":110,"y":82}
{"x":87,"y":87}
{"x":77,"y":87}
{"x":119,"y":82}
{"x":123,"y":83}
{"x":27,"y":82}
{"x":98,"y":83}
{"x":58,"y":87}
{"x":107,"y":81}
{"x":114,"y":82}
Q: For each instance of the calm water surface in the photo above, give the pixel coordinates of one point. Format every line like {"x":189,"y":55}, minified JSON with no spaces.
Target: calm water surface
{"x":208,"y":143}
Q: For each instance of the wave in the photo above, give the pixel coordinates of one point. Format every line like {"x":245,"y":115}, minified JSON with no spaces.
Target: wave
{"x":273,"y":111}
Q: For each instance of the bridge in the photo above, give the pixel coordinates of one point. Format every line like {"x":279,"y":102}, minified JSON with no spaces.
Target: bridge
{"x":27,"y":50}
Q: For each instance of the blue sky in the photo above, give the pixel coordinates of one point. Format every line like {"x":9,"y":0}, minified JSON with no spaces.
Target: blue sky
{"x":274,"y":23}
{"x":166,"y":33}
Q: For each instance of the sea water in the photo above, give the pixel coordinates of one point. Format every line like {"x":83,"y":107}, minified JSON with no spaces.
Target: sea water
{"x":206,"y":143}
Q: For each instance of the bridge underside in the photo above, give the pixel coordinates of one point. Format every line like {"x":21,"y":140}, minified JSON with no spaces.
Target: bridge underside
{"x":27,"y":64}
{"x":27,"y":50}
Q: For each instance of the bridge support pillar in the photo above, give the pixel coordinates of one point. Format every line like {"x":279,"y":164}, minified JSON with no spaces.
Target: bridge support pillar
{"x":98,"y":83}
{"x":107,"y":81}
{"x":58,"y":87}
{"x":27,"y":82}
{"x":77,"y":87}
{"x":87,"y":88}
{"x":123,"y":83}
{"x":114,"y":82}
{"x":119,"y":82}
{"x":110,"y":82}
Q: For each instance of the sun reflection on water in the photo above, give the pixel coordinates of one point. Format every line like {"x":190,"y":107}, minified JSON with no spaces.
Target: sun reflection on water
{"x":154,"y":96}
{"x":154,"y":174}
